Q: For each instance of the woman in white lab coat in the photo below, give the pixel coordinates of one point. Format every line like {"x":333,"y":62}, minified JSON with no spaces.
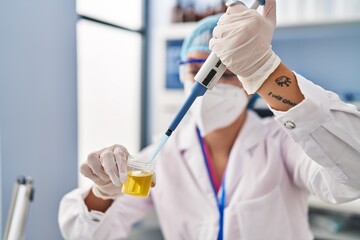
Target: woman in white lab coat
{"x":226,"y":173}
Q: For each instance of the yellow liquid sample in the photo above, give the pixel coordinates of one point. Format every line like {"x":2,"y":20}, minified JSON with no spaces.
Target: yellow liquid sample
{"x":138,"y":183}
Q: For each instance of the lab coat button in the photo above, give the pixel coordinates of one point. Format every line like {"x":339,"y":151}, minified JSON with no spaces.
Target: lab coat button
{"x":289,"y":124}
{"x":95,"y":219}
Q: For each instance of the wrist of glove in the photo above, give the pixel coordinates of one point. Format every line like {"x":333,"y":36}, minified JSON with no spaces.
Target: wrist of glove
{"x":253,"y":82}
{"x":108,"y":170}
{"x":107,"y":191}
{"x":242,"y":40}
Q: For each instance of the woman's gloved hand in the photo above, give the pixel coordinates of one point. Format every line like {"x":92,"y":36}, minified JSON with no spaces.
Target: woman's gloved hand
{"x":108,"y":170}
{"x":242,"y":40}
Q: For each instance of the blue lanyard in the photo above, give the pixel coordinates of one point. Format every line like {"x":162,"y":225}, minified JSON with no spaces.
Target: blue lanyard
{"x":220,"y":202}
{"x":221,"y":206}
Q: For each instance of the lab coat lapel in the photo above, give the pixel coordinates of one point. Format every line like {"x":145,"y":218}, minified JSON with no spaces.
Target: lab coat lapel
{"x":251,"y":134}
{"x":249,"y":137}
{"x":194,"y":159}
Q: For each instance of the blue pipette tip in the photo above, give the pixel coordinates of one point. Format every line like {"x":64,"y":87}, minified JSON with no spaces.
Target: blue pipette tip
{"x":159,"y":147}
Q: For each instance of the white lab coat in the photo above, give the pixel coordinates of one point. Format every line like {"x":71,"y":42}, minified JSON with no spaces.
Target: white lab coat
{"x":273,"y":165}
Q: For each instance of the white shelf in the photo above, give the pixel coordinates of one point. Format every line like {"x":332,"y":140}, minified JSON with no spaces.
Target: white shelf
{"x":318,"y":22}
{"x":187,"y":26}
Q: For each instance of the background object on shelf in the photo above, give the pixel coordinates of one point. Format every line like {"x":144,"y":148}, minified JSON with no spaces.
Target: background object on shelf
{"x":334,"y":225}
{"x":189,"y":14}
{"x":193,"y":11}
{"x":288,"y":11}
{"x":23,"y":194}
{"x":177,"y":12}
{"x":327,"y":220}
{"x":173,"y":48}
{"x":353,"y":98}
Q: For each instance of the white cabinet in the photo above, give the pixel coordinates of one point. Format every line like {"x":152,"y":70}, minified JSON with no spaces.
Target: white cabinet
{"x":109,"y":75}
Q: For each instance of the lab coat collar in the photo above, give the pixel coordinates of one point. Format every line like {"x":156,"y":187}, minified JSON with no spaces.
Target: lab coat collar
{"x":252,"y":132}
{"x":191,"y":151}
{"x":250,"y":135}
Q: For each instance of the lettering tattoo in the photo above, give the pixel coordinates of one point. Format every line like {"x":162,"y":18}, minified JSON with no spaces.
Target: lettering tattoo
{"x":283,"y":80}
{"x":281,"y":99}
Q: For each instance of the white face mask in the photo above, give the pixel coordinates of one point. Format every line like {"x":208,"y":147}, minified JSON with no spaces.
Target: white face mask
{"x":218,"y":108}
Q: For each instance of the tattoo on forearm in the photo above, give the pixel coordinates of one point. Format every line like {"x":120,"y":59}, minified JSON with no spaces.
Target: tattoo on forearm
{"x":281,"y":99}
{"x":283,"y":80}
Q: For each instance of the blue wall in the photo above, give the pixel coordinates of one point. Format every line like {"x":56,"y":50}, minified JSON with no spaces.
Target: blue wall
{"x":38,"y":106}
{"x":328,"y":55}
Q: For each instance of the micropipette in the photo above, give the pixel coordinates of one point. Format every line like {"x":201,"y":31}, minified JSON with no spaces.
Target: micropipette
{"x":206,"y":78}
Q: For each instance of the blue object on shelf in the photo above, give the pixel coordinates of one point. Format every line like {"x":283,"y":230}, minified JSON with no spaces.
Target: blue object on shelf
{"x":173,"y":48}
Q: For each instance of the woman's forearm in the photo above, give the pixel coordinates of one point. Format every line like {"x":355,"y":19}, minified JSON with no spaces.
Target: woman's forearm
{"x":281,"y":90}
{"x":94,"y":203}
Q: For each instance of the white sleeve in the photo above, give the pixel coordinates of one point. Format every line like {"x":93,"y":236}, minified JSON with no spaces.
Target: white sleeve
{"x":76,"y":222}
{"x":328,"y":131}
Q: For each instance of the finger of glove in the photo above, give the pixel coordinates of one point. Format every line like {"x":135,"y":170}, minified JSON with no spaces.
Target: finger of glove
{"x":108,"y":162}
{"x":226,"y":47}
{"x":269,"y":11}
{"x":237,"y":25}
{"x":121,"y":155}
{"x":94,"y":163}
{"x":237,"y":8}
{"x":153,"y":180}
{"x":86,"y":171}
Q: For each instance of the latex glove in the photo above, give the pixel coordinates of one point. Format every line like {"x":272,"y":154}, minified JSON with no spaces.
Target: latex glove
{"x":108,"y":170}
{"x":242,"y":40}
